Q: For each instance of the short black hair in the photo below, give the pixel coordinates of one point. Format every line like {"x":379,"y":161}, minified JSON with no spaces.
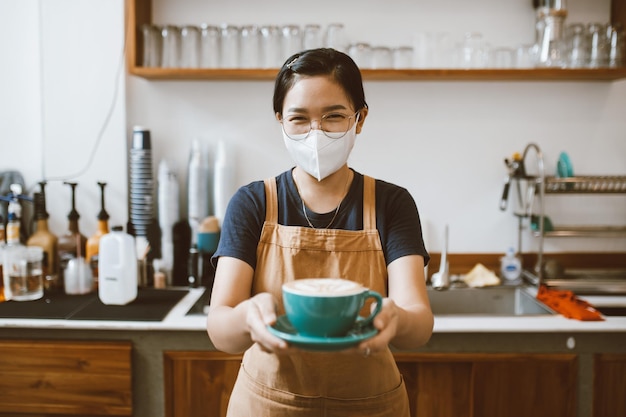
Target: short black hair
{"x":321,"y":61}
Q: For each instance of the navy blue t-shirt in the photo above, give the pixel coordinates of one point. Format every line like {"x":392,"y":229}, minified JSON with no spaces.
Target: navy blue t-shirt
{"x":397,"y":218}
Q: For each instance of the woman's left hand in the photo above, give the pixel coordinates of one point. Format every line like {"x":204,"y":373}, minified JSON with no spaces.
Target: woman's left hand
{"x":386,"y":322}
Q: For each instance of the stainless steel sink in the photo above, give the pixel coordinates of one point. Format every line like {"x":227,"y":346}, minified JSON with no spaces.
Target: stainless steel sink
{"x":489,"y":301}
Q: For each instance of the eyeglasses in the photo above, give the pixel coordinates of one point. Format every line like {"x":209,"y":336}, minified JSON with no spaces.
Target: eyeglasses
{"x":334,"y":125}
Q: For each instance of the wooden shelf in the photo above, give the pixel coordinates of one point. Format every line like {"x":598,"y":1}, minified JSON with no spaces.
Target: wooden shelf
{"x":539,"y":74}
{"x":139,"y":12}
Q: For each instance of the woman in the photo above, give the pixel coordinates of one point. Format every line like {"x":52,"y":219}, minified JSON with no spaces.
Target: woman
{"x":319,"y":219}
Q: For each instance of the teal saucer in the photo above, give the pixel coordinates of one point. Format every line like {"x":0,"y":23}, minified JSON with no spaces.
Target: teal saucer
{"x":283,"y":329}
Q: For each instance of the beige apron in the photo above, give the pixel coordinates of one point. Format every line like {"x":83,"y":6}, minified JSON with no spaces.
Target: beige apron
{"x":318,"y":383}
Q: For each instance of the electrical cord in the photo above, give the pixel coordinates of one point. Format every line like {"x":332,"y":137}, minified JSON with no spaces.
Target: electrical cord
{"x":107,"y":118}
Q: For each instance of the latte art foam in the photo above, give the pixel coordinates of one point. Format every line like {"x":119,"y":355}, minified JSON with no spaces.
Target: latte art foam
{"x":324,"y":287}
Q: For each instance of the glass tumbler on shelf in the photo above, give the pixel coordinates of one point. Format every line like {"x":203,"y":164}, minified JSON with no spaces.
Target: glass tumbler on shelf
{"x":472,"y":52}
{"x":151,"y":45}
{"x":312,"y":36}
{"x":402,"y":57}
{"x":598,"y":53}
{"x":382,"y":57}
{"x":190,"y":47}
{"x":170,"y":57}
{"x":229,"y":46}
{"x":615,"y":44}
{"x":336,"y":37}
{"x":501,"y":58}
{"x":577,"y":45}
{"x":292,"y":40}
{"x":526,"y":56}
{"x":271,"y":47}
{"x":209,"y":46}
{"x":361,"y":53}
{"x":249,"y":47}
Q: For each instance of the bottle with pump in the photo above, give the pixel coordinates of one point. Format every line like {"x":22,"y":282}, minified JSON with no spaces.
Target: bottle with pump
{"x":511,"y":267}
{"x":72,"y":241}
{"x":14,"y":249}
{"x":45,"y":240}
{"x":93,"y":243}
{"x":117,"y":265}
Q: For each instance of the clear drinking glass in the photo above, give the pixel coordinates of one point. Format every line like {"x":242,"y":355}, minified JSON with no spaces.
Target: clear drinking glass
{"x":271,"y":47}
{"x":25,"y":273}
{"x":501,"y":58}
{"x":209,"y":46}
{"x":361,"y":53}
{"x":312,"y":36}
{"x":190,"y":47}
{"x":598,"y":53}
{"x":292,"y":40}
{"x":336,"y":37}
{"x":472,"y":51}
{"x":249,"y":47}
{"x":151,"y":45}
{"x":526,"y":56}
{"x":229,"y":46}
{"x":577,"y":45}
{"x":382,"y":57}
{"x":615,"y":42}
{"x":402,"y":57}
{"x":170,"y":57}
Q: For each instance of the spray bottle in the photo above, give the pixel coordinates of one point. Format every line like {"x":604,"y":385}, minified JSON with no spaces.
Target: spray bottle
{"x":93,"y":243}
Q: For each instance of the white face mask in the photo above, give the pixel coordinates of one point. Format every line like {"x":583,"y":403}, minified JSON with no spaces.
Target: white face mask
{"x":320,"y":155}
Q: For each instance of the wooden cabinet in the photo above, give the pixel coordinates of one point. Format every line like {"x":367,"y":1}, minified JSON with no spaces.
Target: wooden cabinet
{"x":65,"y":378}
{"x":198,"y":383}
{"x":439,"y":385}
{"x":490,"y":385}
{"x":609,"y":385}
{"x":139,"y":12}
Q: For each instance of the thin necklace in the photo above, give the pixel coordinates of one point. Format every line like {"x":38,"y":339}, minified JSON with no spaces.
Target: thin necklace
{"x":336,"y":210}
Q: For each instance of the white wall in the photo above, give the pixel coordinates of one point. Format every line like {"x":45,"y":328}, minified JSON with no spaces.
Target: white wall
{"x":58,"y":85}
{"x":444,"y":141}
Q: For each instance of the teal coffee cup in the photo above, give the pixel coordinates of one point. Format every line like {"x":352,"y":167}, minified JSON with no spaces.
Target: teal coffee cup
{"x":327,"y":307}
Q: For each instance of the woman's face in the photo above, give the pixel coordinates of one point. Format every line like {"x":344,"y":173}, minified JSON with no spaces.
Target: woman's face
{"x":314,"y":97}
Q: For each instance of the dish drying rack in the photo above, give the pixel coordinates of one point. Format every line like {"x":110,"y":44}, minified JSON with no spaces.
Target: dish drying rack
{"x":538,"y":184}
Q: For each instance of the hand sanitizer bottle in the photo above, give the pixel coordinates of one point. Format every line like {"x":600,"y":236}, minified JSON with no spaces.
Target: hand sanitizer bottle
{"x":511,"y":267}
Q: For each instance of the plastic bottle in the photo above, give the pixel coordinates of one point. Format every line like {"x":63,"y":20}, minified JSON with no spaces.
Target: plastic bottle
{"x":93,"y":243}
{"x":117,"y":266}
{"x":511,"y":267}
{"x":45,"y":240}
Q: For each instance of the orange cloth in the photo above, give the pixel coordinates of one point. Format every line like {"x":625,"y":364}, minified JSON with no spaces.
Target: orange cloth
{"x":566,"y":303}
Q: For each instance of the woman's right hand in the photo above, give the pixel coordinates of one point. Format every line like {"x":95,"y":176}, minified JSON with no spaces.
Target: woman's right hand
{"x":261,"y":313}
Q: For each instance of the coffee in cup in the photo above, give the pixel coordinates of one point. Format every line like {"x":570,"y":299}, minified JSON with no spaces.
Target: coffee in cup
{"x":327,"y":307}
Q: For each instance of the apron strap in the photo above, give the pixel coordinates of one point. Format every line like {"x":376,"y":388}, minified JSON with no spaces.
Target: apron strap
{"x":271,"y":200}
{"x":369,"y":203}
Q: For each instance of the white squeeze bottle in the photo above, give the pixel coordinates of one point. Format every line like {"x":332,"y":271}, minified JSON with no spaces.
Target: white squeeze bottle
{"x":117,"y":267}
{"x":511,"y":267}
